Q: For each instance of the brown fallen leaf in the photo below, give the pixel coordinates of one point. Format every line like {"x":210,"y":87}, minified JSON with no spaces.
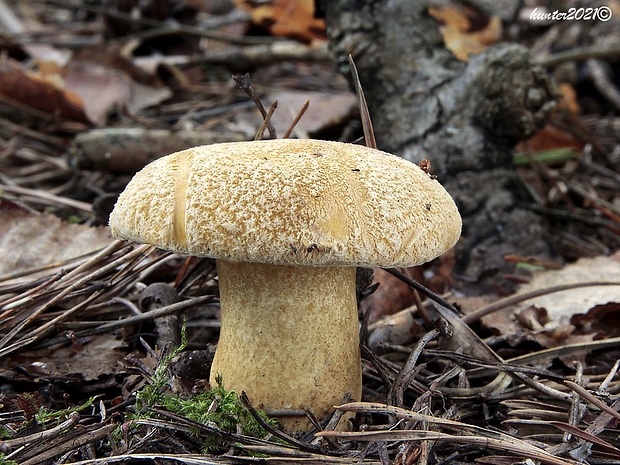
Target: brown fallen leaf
{"x":29,"y":240}
{"x":391,"y":296}
{"x":46,"y":93}
{"x":100,"y":88}
{"x":561,"y":306}
{"x":602,"y":320}
{"x":103,"y":89}
{"x":572,"y":316}
{"x":399,"y":328}
{"x":458,"y":31}
{"x":289,"y":18}
{"x":73,"y":362}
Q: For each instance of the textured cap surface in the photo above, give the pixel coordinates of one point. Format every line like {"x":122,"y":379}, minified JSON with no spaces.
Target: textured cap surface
{"x":289,"y":201}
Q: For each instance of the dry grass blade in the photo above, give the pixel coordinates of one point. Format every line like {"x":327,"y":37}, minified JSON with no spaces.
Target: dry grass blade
{"x":196,"y":459}
{"x":565,"y":350}
{"x":82,"y":281}
{"x":585,"y":395}
{"x":474,"y":434}
{"x":47,"y":198}
{"x":512,"y":445}
{"x":290,"y":453}
{"x":586,"y":437}
{"x":369,"y":133}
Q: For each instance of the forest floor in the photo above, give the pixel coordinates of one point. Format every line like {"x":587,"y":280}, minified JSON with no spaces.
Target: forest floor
{"x":105,"y":345}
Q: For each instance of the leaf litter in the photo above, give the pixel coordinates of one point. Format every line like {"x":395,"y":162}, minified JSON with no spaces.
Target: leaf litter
{"x":511,"y":378}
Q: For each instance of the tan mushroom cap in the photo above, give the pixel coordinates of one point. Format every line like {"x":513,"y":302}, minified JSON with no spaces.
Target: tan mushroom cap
{"x":286,"y":201}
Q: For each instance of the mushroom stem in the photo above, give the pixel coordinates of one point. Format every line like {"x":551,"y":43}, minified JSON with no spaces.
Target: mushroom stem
{"x":289,"y":336}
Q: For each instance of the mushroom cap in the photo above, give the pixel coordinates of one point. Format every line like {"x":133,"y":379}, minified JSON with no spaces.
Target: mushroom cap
{"x":288,"y":201}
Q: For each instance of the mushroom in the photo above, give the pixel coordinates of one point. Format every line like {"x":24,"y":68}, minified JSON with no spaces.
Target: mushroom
{"x":288,"y":221}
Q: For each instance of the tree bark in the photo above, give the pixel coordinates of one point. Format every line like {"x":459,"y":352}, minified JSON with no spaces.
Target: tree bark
{"x":464,"y":117}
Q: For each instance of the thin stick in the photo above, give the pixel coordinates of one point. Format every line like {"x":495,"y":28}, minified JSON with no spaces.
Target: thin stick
{"x":423,"y":289}
{"x":581,"y":54}
{"x":300,"y":114}
{"x":47,"y":198}
{"x":406,"y":374}
{"x":592,"y":399}
{"x":266,"y":121}
{"x":243,"y":81}
{"x":73,"y":419}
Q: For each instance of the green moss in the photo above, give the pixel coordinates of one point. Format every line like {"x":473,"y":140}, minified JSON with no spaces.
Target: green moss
{"x":44,"y":415}
{"x":5,"y":433}
{"x":3,"y":461}
{"x":216,"y":406}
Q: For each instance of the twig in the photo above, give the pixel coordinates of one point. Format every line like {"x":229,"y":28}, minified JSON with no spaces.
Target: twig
{"x":588,"y":397}
{"x":604,"y":386}
{"x":270,"y":429}
{"x":201,"y":459}
{"x":73,"y":443}
{"x":40,"y":331}
{"x":266,"y":121}
{"x":506,"y":444}
{"x":603,"y":83}
{"x":423,"y":289}
{"x":580,"y":54}
{"x":243,"y":82}
{"x":407,"y":372}
{"x":491,"y":438}
{"x":300,"y":114}
{"x":73,"y":419}
{"x":136,"y":319}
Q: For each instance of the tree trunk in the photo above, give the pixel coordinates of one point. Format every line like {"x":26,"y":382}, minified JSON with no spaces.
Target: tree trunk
{"x":464,"y":117}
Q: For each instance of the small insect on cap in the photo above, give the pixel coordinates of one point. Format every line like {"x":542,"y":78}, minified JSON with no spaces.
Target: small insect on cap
{"x":289,"y":202}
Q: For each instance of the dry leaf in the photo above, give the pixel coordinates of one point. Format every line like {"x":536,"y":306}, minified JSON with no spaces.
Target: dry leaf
{"x":459,"y":34}
{"x":391,"y":296}
{"x":14,"y":25}
{"x":83,"y":91}
{"x":569,"y":98}
{"x":46,"y":93}
{"x":326,"y":109}
{"x":28,"y":240}
{"x":602,"y":320}
{"x":74,"y":362}
{"x":400,"y":328}
{"x":103,"y":88}
{"x":289,"y":18}
{"x":561,"y":306}
{"x":550,"y":137}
